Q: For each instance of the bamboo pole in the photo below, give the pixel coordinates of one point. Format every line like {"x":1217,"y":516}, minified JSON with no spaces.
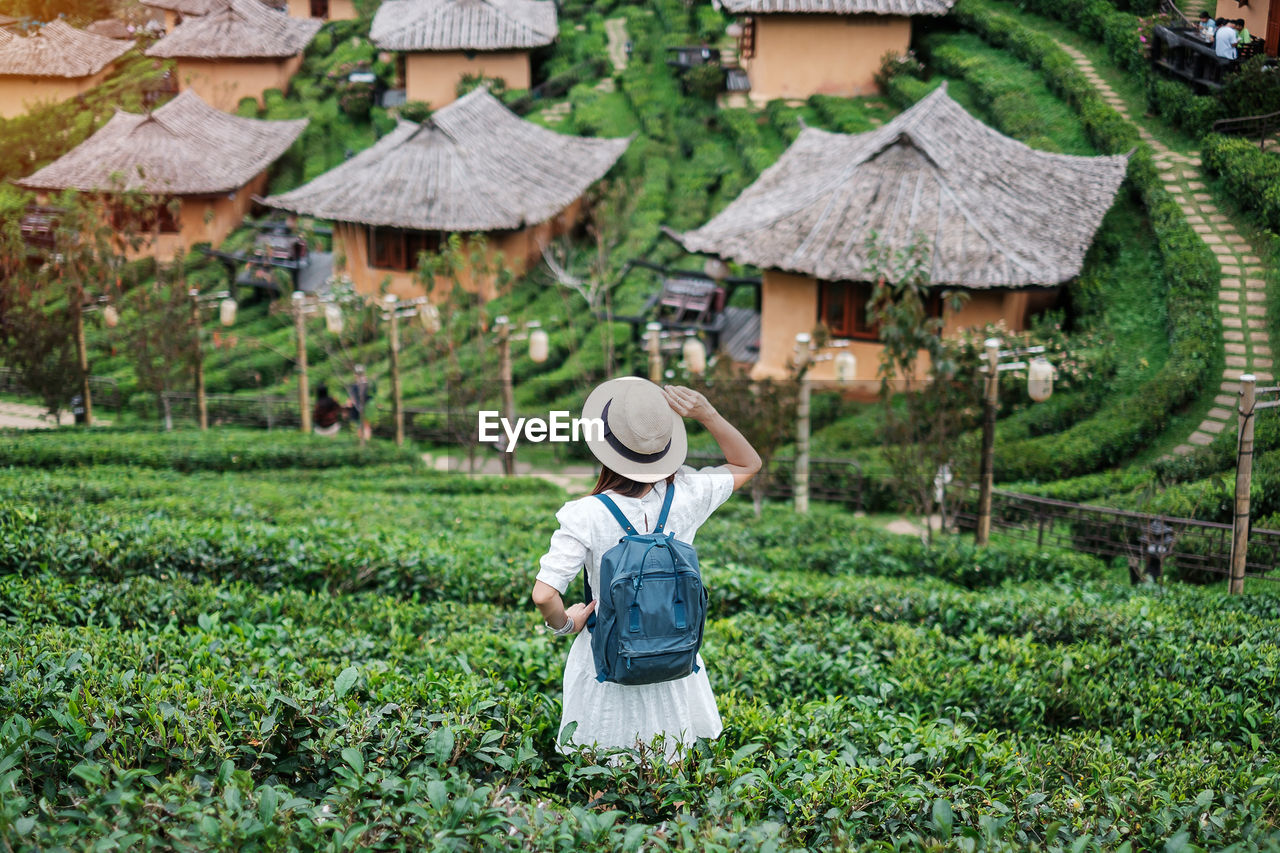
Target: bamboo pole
{"x":983,"y":532}
{"x":802,"y":356}
{"x":1244,"y":474}
{"x":202,"y":404}
{"x":304,"y":392}
{"x":655,"y":352}
{"x":393,"y":339}
{"x":503,"y":327}
{"x":82,"y":354}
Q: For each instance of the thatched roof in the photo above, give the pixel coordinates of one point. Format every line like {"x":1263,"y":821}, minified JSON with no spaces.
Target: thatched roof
{"x":990,"y":211}
{"x":184,"y":148}
{"x":187,"y":8}
{"x":58,"y":50}
{"x":112,"y":28}
{"x":837,"y":7}
{"x":463,"y":24}
{"x":238,"y":29}
{"x":474,"y":166}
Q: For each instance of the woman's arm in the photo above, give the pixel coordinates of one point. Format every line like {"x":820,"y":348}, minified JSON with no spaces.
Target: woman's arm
{"x":551,"y":606}
{"x":739,"y":456}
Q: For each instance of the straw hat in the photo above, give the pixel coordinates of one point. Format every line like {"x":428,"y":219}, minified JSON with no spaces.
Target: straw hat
{"x":644,"y":439}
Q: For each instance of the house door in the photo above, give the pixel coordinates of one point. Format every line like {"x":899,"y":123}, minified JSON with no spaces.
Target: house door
{"x":1273,"y":27}
{"x":320,"y":9}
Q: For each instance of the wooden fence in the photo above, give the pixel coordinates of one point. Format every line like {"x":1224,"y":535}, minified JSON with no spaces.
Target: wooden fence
{"x":104,"y":389}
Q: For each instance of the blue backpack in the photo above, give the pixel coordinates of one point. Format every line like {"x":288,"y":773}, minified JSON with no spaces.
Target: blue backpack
{"x":648,"y":623}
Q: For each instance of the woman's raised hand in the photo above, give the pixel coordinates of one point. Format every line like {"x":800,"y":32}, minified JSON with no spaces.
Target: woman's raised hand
{"x":688,"y":403}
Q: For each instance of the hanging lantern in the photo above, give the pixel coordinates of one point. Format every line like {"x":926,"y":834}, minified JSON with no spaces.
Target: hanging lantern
{"x":539,"y":343}
{"x":734,"y":30}
{"x":110,"y":316}
{"x":695,"y":355}
{"x":846,"y":367}
{"x":715,"y":269}
{"x":1040,"y":375}
{"x":429,"y":317}
{"x":227,"y":312}
{"x":333,"y":319}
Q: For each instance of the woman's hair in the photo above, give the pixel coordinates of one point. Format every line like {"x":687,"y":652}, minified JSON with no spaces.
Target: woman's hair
{"x":322,"y":390}
{"x":611,"y":480}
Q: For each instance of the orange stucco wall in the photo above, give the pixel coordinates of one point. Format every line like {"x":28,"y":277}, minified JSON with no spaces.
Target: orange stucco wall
{"x":801,"y":55}
{"x":204,"y":219}
{"x":339,"y":10}
{"x":433,"y":77}
{"x":223,"y":83}
{"x":520,"y":250}
{"x":1254,"y":15}
{"x":789,"y":305}
{"x":19,"y":95}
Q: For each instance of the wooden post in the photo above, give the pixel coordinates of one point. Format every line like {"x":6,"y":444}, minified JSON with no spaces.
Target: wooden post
{"x":304,"y":393}
{"x":655,"y":352}
{"x":202,"y":405}
{"x":983,"y":532}
{"x":1244,"y":474}
{"x":503,"y":327}
{"x":397,"y":406}
{"x":802,"y":356}
{"x":82,"y":354}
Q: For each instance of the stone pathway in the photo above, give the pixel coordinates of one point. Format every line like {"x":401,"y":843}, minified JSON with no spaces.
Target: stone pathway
{"x":555,"y":113}
{"x":574,"y":478}
{"x":1242,"y":291}
{"x":616,"y":30}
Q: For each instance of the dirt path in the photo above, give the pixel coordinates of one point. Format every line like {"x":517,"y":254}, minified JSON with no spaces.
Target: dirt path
{"x":22,"y":416}
{"x":1242,"y":291}
{"x":573,"y":478}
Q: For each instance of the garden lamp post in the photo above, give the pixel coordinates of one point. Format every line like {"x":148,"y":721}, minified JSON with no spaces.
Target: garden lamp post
{"x":654,"y":345}
{"x":1249,"y":406}
{"x":394,"y":310}
{"x":111,"y":318}
{"x":539,"y":348}
{"x":695,"y":354}
{"x":804,"y":357}
{"x":227,"y":316}
{"x":1039,"y":386}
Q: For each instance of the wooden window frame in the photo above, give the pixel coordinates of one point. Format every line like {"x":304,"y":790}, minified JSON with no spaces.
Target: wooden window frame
{"x":397,"y":249}
{"x":856,"y":295}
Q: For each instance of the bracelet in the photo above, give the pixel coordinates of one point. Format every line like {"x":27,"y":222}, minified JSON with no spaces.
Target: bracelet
{"x":566,"y":628}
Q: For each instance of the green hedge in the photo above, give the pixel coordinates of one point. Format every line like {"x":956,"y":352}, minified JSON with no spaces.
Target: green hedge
{"x":1250,"y":175}
{"x":1122,"y":427}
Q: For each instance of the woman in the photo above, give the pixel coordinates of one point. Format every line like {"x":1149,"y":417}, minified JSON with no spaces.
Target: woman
{"x":642,"y":455}
{"x":328,"y":413}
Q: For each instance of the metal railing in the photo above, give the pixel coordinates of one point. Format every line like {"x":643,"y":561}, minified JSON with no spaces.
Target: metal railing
{"x":1198,"y":546}
{"x":1260,"y":125}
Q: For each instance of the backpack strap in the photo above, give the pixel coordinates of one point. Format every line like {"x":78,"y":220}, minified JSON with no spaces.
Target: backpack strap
{"x":666,"y":507}
{"x":622,"y":519}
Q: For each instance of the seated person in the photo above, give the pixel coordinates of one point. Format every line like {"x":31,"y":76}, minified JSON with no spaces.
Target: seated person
{"x":1242,"y":32}
{"x":1224,"y":40}
{"x":1208,"y":27}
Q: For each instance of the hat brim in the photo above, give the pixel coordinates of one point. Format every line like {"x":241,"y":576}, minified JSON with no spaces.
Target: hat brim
{"x":642,"y":472}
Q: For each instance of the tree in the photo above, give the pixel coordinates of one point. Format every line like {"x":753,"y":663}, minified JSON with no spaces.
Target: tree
{"x":763,"y":410}
{"x":927,"y":384}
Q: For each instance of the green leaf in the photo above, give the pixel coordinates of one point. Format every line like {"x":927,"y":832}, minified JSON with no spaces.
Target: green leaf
{"x":943,"y":817}
{"x":437,"y":793}
{"x":24,"y":825}
{"x":355,"y":758}
{"x":268,"y":801}
{"x":205,"y":623}
{"x":89,"y":773}
{"x":345,"y":681}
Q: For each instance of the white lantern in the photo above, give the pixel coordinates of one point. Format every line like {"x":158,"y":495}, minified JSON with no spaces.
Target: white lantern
{"x":227,"y":312}
{"x":429,"y":317}
{"x":1040,"y":375}
{"x":333,"y":319}
{"x":715,"y":269}
{"x":111,"y":316}
{"x":846,"y":367}
{"x":695,"y":355}
{"x":734,"y":30}
{"x":539,"y":344}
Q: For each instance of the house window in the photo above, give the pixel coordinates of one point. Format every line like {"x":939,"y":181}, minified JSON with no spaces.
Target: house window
{"x":843,"y":308}
{"x":398,"y":249}
{"x":160,"y":217}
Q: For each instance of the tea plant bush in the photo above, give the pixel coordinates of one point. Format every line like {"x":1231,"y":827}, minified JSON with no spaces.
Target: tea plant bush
{"x":325,"y":658}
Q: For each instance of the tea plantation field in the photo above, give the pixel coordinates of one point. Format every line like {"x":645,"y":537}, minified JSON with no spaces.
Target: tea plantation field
{"x":273,"y":648}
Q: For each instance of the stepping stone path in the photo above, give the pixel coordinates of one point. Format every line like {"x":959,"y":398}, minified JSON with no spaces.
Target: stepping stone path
{"x":1242,"y":290}
{"x":555,"y":113}
{"x":616,"y":30}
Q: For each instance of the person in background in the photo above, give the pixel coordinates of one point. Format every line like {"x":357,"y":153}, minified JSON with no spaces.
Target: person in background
{"x":1208,"y":27}
{"x":360,"y":392}
{"x":327,"y":417}
{"x":1224,"y":40}
{"x":1242,"y":32}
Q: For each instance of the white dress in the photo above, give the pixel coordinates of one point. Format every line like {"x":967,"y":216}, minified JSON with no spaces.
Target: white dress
{"x":619,"y":715}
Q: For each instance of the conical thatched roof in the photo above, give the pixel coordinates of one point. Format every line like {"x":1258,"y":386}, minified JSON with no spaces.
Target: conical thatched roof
{"x":990,"y":211}
{"x":184,"y":148}
{"x":112,"y":28}
{"x":238,"y":29}
{"x":475,"y":166}
{"x":58,"y":50}
{"x":837,"y":7}
{"x":463,"y":24}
